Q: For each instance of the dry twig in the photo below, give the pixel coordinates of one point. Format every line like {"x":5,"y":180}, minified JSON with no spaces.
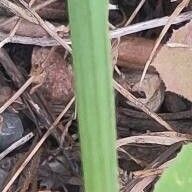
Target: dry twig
{"x":44,"y":25}
{"x":37,"y":76}
{"x":142,"y":184}
{"x":137,"y":103}
{"x":49,"y":41}
{"x":18,"y":11}
{"x":176,"y":12}
{"x":18,"y":143}
{"x":161,"y":138}
{"x":149,"y":25}
{"x":30,"y":15}
{"x":153,"y":171}
{"x":11,"y":34}
{"x":140,"y":5}
{"x":38,"y":145}
{"x":138,"y":184}
{"x":31,"y":3}
{"x":36,"y":8}
{"x":148,"y":176}
{"x":13,"y":31}
{"x":17,"y":94}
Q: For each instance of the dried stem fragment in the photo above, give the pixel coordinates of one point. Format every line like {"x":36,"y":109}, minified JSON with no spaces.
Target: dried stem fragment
{"x":176,"y":12}
{"x":140,"y":105}
{"x":36,"y":148}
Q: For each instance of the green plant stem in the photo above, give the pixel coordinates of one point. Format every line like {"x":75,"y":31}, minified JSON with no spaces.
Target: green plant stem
{"x":95,"y":97}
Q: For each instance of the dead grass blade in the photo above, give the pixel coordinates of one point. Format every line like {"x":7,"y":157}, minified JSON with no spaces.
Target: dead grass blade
{"x":50,"y":30}
{"x":11,"y":34}
{"x":30,"y":15}
{"x":142,"y":184}
{"x":139,"y":184}
{"x":36,"y":8}
{"x":140,"y":5}
{"x":18,"y":11}
{"x":161,"y":138}
{"x":49,"y":41}
{"x":38,"y":145}
{"x":15,"y":145}
{"x":137,"y":103}
{"x":31,"y":2}
{"x":17,"y":94}
{"x":13,"y":31}
{"x":153,"y":171}
{"x":149,"y":25}
{"x":176,"y":12}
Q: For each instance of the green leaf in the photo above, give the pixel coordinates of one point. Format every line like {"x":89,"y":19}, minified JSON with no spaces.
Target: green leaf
{"x":94,"y":92}
{"x":178,"y":177}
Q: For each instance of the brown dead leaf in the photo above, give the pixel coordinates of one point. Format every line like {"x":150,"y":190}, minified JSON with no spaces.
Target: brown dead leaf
{"x":174,"y":62}
{"x":58,"y":84}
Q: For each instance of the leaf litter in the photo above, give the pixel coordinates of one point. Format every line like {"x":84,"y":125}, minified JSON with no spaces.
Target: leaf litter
{"x":173,"y":62}
{"x":144,"y":145}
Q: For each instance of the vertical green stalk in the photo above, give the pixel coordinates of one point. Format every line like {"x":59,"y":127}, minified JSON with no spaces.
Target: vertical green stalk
{"x":95,"y":98}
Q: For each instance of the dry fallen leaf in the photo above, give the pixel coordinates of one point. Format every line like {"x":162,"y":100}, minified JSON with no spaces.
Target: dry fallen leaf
{"x":58,"y":84}
{"x":174,"y":62}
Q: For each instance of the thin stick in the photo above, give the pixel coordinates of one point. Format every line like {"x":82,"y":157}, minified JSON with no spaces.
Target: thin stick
{"x":32,"y":101}
{"x":18,"y":143}
{"x":160,"y":139}
{"x":43,"y":4}
{"x":33,"y":78}
{"x":133,"y":185}
{"x":18,"y":10}
{"x":153,"y":171}
{"x":31,"y":2}
{"x":140,"y":5}
{"x":139,"y":186}
{"x":11,"y":34}
{"x":176,"y":12}
{"x":45,"y":26}
{"x":150,"y":24}
{"x":39,"y":144}
{"x":36,"y":8}
{"x":35,"y":18}
{"x":13,"y":31}
{"x":49,"y":41}
{"x":137,"y":103}
{"x":43,"y":42}
{"x":17,"y":94}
